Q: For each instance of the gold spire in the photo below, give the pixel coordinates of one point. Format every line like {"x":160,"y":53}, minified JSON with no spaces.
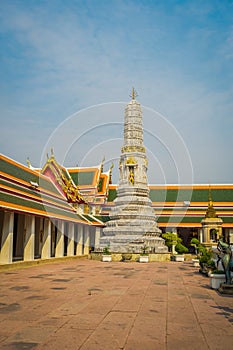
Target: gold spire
{"x":28,"y":162}
{"x":112,"y":166}
{"x":210,"y":205}
{"x":102,"y":164}
{"x":133,"y":94}
{"x":110,"y":173}
{"x":211,"y":212}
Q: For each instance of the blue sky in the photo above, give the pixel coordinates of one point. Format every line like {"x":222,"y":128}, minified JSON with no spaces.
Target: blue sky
{"x":59,"y":57}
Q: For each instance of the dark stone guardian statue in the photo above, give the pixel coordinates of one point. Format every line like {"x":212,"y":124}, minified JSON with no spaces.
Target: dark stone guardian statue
{"x":226,"y":258}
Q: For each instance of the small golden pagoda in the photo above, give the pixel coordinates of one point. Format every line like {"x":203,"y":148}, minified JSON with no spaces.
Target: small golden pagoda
{"x":211,"y":225}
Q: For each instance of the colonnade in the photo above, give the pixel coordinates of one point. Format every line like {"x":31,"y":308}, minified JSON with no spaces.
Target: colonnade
{"x":28,"y":237}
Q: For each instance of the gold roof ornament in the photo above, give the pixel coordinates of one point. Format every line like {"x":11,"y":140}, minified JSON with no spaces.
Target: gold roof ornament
{"x":112,"y":166}
{"x":110,"y":173}
{"x":71,"y":191}
{"x":102,"y":164}
{"x":133,"y":94}
{"x":211,"y":212}
{"x":131,"y":161}
{"x":52,"y":152}
{"x":210,"y":198}
{"x":28,"y":163}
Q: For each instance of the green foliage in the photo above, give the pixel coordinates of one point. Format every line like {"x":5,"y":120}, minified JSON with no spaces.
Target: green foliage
{"x":206,"y":259}
{"x":205,"y":256}
{"x":211,"y":265}
{"x":171,"y":239}
{"x":181,"y":249}
{"x":218,"y":272}
{"x":196,"y":244}
{"x":106,"y":251}
{"x":203,"y":251}
{"x":195,"y":241}
{"x":144,"y":250}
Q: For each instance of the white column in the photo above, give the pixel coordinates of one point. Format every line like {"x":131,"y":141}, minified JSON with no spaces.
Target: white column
{"x":79,"y":249}
{"x":86,"y":239}
{"x":60,"y":240}
{"x":46,"y":242}
{"x":29,"y":243}
{"x":70,"y":243}
{"x":200,"y":235}
{"x":206,"y":236}
{"x":6,"y":251}
{"x":231,"y":236}
{"x":97,"y":236}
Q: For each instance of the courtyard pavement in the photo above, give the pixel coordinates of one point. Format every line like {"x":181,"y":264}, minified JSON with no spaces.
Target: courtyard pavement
{"x":91,"y":305}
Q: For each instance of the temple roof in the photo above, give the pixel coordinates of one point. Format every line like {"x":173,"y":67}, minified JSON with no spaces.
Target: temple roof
{"x":89,"y":184}
{"x":85,"y":177}
{"x":185,"y":204}
{"x":92,"y":182}
{"x":25,"y":190}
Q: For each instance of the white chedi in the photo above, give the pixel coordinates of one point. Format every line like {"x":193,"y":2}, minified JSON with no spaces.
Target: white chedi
{"x":132,"y":219}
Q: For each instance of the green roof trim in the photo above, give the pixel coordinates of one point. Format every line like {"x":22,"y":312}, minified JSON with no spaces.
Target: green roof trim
{"x":26,"y":203}
{"x":192,"y":195}
{"x":100,"y":185}
{"x":93,"y":218}
{"x":218,"y":195}
{"x":28,"y":176}
{"x":163,"y":195}
{"x":18,"y":172}
{"x":227,"y":219}
{"x":103,"y":218}
{"x":89,"y":218}
{"x":82,"y":178}
{"x":36,"y":193}
{"x":178,"y":219}
{"x":182,"y":195}
{"x":112,"y":193}
{"x":188,"y":219}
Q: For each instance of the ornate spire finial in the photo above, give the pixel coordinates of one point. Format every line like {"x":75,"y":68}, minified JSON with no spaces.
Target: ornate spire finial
{"x":133,"y":94}
{"x":28,"y":163}
{"x":211,"y":212}
{"x":102,"y":164}
{"x":210,"y":198}
{"x":110,"y":174}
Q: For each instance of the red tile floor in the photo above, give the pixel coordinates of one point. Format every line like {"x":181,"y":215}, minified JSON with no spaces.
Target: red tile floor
{"x":91,"y":305}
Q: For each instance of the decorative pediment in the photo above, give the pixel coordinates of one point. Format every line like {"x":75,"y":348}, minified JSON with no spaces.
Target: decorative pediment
{"x":62,"y":180}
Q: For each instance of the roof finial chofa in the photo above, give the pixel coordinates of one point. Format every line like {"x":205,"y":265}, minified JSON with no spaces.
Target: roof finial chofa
{"x":28,"y":162}
{"x":133,"y":94}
